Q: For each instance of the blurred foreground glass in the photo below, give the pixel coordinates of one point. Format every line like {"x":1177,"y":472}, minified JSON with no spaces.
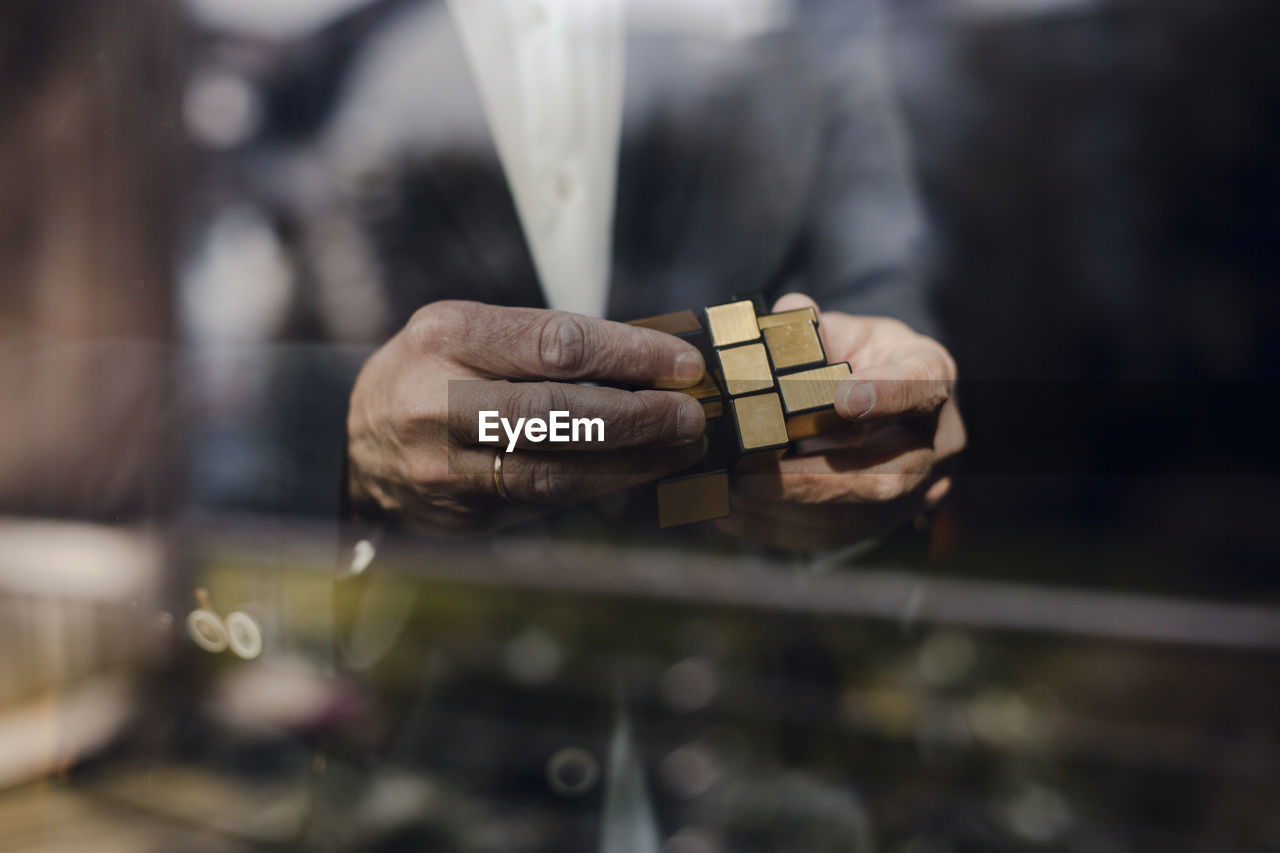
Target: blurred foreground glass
{"x":1102,"y":211}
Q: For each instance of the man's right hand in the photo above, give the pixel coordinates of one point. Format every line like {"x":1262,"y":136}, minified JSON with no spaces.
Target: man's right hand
{"x":413,"y":452}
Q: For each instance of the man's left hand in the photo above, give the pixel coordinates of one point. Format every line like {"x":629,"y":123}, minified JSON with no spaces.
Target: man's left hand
{"x":905,"y":431}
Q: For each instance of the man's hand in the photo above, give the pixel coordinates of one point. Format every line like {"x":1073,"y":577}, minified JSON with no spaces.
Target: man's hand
{"x":905,"y":430}
{"x":412,"y":444}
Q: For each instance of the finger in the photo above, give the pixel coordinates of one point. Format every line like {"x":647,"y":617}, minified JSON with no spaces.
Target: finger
{"x":592,"y":418}
{"x":951,"y":438}
{"x":562,"y":479}
{"x":877,"y":440}
{"x":904,"y":452}
{"x":794,"y":302}
{"x":533,"y":343}
{"x":801,"y":526}
{"x":881,"y":440}
{"x":840,"y":478}
{"x":937,"y":492}
{"x":823,"y":516}
{"x":917,"y":381}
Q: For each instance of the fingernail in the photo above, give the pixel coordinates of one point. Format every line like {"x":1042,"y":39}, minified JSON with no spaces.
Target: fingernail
{"x":690,"y":421}
{"x":689,"y":367}
{"x":859,"y":398}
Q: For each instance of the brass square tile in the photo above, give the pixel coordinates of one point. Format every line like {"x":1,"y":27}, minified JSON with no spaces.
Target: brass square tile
{"x":782,"y":318}
{"x":677,"y":323}
{"x":732,"y":323}
{"x":761,"y":425}
{"x":811,"y":389}
{"x":817,"y":422}
{"x":706,"y":389}
{"x":794,"y":345}
{"x":697,"y":497}
{"x":745,"y":369}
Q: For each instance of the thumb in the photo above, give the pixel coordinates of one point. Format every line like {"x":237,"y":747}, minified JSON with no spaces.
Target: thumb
{"x":794,"y":302}
{"x":917,"y":382}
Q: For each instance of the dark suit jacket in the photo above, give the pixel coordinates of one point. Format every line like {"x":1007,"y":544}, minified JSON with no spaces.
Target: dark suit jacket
{"x":760,"y":164}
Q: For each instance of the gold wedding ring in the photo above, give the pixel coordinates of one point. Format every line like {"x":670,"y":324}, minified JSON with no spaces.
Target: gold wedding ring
{"x":497,"y":476}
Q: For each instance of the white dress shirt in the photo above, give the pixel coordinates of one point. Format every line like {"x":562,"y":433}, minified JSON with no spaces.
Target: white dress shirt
{"x":550,"y":76}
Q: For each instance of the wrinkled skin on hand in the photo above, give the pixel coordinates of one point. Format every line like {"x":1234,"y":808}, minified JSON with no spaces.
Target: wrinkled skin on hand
{"x":413,"y":442}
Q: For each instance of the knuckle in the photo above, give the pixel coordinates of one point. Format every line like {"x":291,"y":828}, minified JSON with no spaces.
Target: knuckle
{"x":525,"y":402}
{"x":948,"y":363}
{"x":537,"y":400}
{"x":883,"y":488}
{"x":435,"y":325}
{"x":819,"y":490}
{"x":406,"y":417}
{"x":804,"y":490}
{"x":555,"y":398}
{"x":423,"y":469}
{"x":935,"y":394}
{"x":645,"y":351}
{"x":919,"y":368}
{"x":925,"y":384}
{"x":941,"y":365}
{"x":547,"y":483}
{"x":562,"y":343}
{"x":412,"y":422}
{"x":651,"y":414}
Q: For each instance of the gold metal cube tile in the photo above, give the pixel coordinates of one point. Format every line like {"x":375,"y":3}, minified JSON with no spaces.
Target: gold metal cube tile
{"x":819,"y":422}
{"x":697,"y":497}
{"x":677,"y":323}
{"x":745,"y":369}
{"x":761,"y":425}
{"x":784,"y":317}
{"x":813,"y":389}
{"x":794,"y":345}
{"x":706,"y":389}
{"x":732,"y":323}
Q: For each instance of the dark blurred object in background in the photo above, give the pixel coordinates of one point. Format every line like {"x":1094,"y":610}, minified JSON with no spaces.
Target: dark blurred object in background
{"x":88,"y":147}
{"x":1104,"y":179}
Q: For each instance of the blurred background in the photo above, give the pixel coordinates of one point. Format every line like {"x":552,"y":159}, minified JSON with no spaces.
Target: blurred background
{"x":199,"y":206}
